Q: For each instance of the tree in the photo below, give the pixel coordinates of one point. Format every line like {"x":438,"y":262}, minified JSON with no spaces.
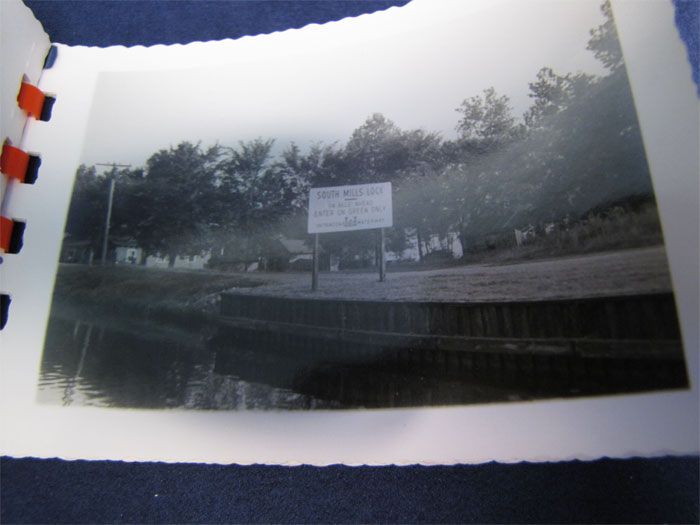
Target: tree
{"x":424,"y":153}
{"x":88,"y":204}
{"x":588,"y":153}
{"x":175,"y":200}
{"x":550,"y":93}
{"x":374,"y":152}
{"x":487,"y":118}
{"x":88,"y":207}
{"x":130,"y":201}
{"x":420,"y":212}
{"x":299,"y":172}
{"x":604,"y":41}
{"x":259,"y":196}
{"x":243,"y":170}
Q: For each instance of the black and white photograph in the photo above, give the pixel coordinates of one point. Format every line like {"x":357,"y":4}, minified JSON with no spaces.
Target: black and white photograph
{"x":459,"y":214}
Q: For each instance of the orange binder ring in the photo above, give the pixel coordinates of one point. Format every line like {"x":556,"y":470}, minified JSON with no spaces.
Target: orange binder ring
{"x":6,"y":227}
{"x":11,"y":233}
{"x":18,"y":164}
{"x":32,"y":100}
{"x":14,"y":162}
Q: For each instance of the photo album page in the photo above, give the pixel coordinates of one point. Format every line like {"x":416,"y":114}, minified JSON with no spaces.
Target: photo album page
{"x":454,"y":231}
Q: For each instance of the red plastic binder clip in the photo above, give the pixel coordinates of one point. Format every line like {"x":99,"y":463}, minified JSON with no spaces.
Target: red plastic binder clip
{"x":31,"y":99}
{"x":14,"y":162}
{"x":6,"y":226}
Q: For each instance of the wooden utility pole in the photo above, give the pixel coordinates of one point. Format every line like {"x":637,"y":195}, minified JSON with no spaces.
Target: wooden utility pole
{"x":314,"y":271}
{"x":105,"y":237}
{"x":110,"y":200}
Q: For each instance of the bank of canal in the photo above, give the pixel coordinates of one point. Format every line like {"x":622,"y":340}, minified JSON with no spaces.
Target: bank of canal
{"x":140,"y":337}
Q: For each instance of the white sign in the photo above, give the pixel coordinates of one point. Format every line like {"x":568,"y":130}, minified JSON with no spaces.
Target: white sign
{"x":348,"y":208}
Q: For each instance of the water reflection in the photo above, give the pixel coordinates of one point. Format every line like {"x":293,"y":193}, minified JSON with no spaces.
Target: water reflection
{"x":86,"y":364}
{"x":133,"y":366}
{"x":153,"y":366}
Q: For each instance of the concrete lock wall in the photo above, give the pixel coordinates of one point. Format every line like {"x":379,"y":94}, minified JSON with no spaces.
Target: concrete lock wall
{"x":638,"y":317}
{"x":402,"y":354}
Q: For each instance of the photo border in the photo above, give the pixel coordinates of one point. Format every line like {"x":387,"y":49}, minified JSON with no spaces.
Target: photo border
{"x":622,"y":425}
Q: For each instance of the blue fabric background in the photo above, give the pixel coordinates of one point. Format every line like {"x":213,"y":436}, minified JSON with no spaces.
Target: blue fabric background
{"x":47,"y":491}
{"x":610,"y":491}
{"x":688,"y":22}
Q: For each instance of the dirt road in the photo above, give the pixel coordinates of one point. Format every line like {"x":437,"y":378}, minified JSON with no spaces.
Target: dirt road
{"x":612,"y":273}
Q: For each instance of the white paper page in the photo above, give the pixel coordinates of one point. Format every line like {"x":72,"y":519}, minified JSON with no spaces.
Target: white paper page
{"x":23,"y":48}
{"x":622,"y":425}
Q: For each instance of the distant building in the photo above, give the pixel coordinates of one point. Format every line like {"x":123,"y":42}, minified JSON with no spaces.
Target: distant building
{"x":74,"y":251}
{"x":524,"y":236}
{"x":127,"y":255}
{"x":120,"y":251}
{"x":299,"y":256}
{"x":274,"y":254}
{"x":190,"y":262}
{"x":296,"y":254}
{"x":125,"y":251}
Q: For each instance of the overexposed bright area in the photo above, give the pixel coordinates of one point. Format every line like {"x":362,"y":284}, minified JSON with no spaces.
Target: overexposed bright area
{"x":321,"y":93}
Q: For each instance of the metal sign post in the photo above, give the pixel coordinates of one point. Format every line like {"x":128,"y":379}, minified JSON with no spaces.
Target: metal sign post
{"x":382,"y":256}
{"x":314,"y":270}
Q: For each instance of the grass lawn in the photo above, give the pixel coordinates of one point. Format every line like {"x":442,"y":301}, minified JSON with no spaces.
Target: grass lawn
{"x":140,"y":287}
{"x":144,"y":292}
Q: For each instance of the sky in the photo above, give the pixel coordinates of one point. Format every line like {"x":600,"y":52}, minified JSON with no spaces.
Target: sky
{"x":414,"y":64}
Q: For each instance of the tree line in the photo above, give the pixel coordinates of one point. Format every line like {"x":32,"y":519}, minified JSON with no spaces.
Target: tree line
{"x":577,"y":148}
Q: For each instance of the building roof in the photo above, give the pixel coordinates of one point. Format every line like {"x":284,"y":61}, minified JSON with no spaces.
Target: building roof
{"x":295,"y":246}
{"x":125,"y":242}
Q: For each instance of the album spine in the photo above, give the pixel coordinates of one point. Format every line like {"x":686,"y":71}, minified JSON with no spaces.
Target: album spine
{"x":20,"y":167}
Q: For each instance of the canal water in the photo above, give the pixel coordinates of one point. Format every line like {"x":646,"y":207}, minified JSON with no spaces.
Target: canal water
{"x":91,"y":364}
{"x":109,"y":361}
{"x":124,"y":364}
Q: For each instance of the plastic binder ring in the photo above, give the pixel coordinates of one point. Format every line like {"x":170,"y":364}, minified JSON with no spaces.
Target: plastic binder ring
{"x":18,"y":164}
{"x":14,"y":162}
{"x":11,"y":234}
{"x":32,"y":100}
